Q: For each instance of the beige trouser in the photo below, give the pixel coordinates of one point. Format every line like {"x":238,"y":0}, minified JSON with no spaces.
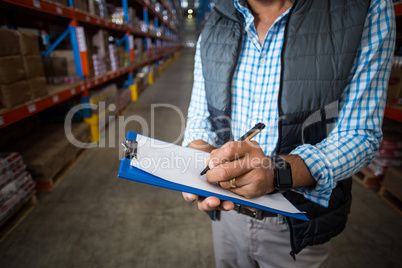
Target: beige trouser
{"x":241,"y":241}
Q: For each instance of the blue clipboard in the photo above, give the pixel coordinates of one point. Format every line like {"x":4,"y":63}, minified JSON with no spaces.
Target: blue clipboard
{"x":129,"y":172}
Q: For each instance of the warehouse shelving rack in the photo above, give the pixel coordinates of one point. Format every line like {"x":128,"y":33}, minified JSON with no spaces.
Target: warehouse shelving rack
{"x":171,"y":40}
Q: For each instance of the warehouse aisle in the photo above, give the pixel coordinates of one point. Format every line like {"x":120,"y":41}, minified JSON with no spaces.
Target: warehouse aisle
{"x":94,"y":219}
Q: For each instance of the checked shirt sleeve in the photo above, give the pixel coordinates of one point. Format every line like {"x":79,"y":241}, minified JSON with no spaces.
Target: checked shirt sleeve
{"x":354,"y":141}
{"x":198,"y":127}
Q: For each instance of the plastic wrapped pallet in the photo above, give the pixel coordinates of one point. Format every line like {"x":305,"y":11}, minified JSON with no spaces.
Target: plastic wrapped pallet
{"x":15,"y":183}
{"x":51,"y":151}
{"x":8,"y":206}
{"x":10,"y":163}
{"x":13,"y":186}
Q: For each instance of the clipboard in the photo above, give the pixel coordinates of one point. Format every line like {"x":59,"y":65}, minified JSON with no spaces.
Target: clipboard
{"x":130,"y":172}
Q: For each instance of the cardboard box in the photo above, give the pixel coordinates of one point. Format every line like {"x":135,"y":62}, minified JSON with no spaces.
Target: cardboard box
{"x":33,"y":66}
{"x":82,"y":5}
{"x":10,"y":43}
{"x":29,"y":44}
{"x":14,"y":94}
{"x":60,"y":63}
{"x":11,"y":69}
{"x":394,"y":85}
{"x":393,"y":181}
{"x":62,"y":2}
{"x":38,"y":87}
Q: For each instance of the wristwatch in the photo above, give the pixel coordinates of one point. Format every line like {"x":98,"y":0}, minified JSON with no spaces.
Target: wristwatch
{"x":282,"y":174}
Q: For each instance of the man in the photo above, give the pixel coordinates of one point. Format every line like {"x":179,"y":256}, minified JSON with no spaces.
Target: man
{"x":315,"y":72}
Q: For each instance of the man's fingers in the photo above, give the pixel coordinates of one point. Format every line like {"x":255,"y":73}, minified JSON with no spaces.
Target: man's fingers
{"x":229,"y":152}
{"x":226,"y":205}
{"x":209,"y":203}
{"x":229,"y":170}
{"x":212,"y":203}
{"x":190,"y":197}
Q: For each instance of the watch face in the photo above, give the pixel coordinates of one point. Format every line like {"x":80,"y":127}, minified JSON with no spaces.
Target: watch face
{"x":285,"y":176}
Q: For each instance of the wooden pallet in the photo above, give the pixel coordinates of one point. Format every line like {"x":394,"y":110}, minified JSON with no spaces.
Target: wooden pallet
{"x":367,"y":178}
{"x":20,"y":212}
{"x":50,"y":185}
{"x":391,"y":198}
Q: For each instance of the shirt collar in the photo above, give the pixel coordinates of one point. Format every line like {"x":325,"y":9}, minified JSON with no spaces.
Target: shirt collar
{"x":242,"y":7}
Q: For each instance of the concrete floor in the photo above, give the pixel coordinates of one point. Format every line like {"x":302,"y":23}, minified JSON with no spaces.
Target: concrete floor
{"x":94,"y":219}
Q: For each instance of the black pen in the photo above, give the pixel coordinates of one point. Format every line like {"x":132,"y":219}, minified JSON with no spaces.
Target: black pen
{"x":248,"y":136}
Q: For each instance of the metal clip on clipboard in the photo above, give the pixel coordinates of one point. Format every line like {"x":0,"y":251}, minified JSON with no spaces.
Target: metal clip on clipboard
{"x":130,"y":148}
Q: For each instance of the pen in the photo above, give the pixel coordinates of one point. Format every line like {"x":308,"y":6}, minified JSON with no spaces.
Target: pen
{"x":248,"y":136}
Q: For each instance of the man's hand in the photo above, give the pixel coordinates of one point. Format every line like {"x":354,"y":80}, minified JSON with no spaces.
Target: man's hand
{"x":245,"y":162}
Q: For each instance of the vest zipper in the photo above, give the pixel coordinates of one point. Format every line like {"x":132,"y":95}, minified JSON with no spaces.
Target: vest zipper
{"x":281,"y":80}
{"x":292,"y":243}
{"x":292,"y":252}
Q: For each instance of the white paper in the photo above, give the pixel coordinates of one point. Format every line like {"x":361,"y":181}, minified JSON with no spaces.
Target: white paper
{"x":183,"y":165}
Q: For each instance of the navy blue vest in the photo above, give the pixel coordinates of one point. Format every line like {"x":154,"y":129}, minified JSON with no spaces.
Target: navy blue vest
{"x":319,"y":48}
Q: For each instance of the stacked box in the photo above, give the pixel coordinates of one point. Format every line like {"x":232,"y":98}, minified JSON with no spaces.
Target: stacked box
{"x":99,"y":64}
{"x":143,"y":26}
{"x":15,"y":183}
{"x":124,"y":98}
{"x":98,"y":8}
{"x":61,"y":2}
{"x":33,"y":64}
{"x":395,"y":85}
{"x":21,"y":68}
{"x":12,"y":69}
{"x":394,"y":93}
{"x":81,"y":5}
{"x":118,"y":16}
{"x":393,"y":181}
{"x":10,"y":44}
{"x":12,"y":72}
{"x":60,"y":63}
{"x":100,"y":52}
{"x":139,"y":49}
{"x":122,"y":56}
{"x":158,"y":8}
{"x":114,"y":57}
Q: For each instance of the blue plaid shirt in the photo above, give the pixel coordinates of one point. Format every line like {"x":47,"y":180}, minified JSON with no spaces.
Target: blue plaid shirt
{"x":357,"y":134}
